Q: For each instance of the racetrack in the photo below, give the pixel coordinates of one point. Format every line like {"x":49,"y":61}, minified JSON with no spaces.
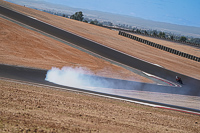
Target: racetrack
{"x":190,"y":83}
{"x":38,"y":76}
{"x":190,"y":88}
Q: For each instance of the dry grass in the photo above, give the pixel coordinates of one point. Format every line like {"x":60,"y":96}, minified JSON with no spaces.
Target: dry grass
{"x":112,"y":39}
{"x":27,"y":108}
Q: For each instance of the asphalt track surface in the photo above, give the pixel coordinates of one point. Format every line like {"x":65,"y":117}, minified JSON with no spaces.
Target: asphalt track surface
{"x":190,"y":87}
{"x":37,"y":76}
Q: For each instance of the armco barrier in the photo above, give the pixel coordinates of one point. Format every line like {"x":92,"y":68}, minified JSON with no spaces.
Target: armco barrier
{"x":177,"y":52}
{"x":172,"y":51}
{"x":190,"y":57}
{"x":158,"y":46}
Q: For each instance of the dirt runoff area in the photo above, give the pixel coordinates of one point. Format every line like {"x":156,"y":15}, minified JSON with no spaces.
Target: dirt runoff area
{"x":28,"y":108}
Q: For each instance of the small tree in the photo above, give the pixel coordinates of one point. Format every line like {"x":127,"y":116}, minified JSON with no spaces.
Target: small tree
{"x":145,"y":32}
{"x":154,"y":33}
{"x":183,"y":39}
{"x":172,"y":37}
{"x":77,"y":16}
{"x":92,"y":22}
{"x":162,"y":34}
{"x":138,"y":31}
{"x":85,"y":21}
{"x":95,"y":22}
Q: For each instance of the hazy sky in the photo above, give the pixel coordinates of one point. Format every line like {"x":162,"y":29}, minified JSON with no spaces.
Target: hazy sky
{"x":182,"y":12}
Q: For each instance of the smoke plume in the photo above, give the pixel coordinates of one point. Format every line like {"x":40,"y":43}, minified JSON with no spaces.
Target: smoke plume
{"x":67,"y":76}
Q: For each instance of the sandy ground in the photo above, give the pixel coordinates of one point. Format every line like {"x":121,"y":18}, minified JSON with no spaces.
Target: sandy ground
{"x":112,"y":39}
{"x":27,"y":108}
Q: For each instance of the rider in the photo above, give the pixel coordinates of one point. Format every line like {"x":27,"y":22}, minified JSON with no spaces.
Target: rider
{"x":178,"y":79}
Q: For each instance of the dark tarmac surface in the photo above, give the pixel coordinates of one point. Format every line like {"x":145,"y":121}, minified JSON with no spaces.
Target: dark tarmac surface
{"x":38,"y":76}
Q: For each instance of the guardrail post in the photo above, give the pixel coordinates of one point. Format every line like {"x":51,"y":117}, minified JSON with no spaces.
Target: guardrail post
{"x":184,"y":54}
{"x":164,"y":48}
{"x":159,"y":46}
{"x":127,"y":35}
{"x":147,"y":42}
{"x":143,"y":41}
{"x":178,"y":52}
{"x":150,"y":43}
{"x":170,"y":50}
{"x":196,"y":58}
{"x":192,"y":57}
{"x":175,"y":51}
{"x":124,"y":34}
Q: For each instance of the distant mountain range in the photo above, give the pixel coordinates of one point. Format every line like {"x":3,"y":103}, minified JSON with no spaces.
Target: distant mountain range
{"x":114,"y":18}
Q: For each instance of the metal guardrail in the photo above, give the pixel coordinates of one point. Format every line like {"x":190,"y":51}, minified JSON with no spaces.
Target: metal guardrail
{"x":161,"y":47}
{"x":163,"y":38}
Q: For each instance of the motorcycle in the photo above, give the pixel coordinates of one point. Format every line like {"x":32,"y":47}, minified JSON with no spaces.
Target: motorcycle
{"x":179,"y":80}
